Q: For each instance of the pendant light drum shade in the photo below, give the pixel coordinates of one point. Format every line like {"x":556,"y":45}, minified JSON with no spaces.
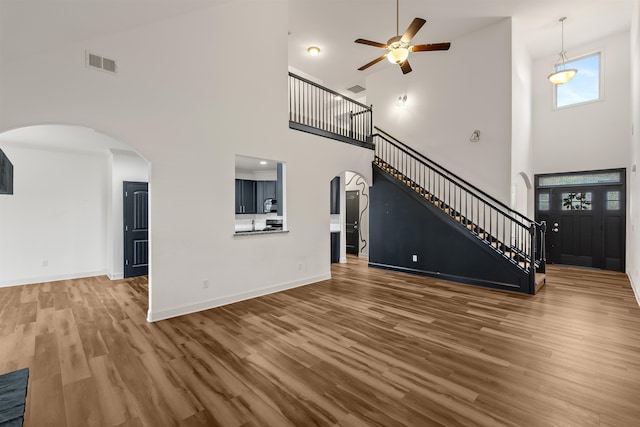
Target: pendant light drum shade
{"x":562,"y":74}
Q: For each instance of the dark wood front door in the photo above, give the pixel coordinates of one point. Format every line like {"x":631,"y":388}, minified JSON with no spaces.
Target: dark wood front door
{"x":136,"y":228}
{"x":585,"y":222}
{"x":352,"y":227}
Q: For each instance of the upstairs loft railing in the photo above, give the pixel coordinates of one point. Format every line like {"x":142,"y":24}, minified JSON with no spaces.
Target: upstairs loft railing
{"x":322,"y":111}
{"x":516,"y":237}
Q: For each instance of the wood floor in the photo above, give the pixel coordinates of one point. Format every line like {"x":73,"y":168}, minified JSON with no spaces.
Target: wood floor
{"x":366,"y":348}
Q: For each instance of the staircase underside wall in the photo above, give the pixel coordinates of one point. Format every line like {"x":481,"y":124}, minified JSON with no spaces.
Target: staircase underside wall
{"x":402,"y":225}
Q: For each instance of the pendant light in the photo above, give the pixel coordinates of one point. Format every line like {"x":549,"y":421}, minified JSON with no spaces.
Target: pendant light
{"x":562,"y":73}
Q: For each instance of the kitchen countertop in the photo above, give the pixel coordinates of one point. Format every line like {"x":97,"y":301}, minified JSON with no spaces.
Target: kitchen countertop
{"x":253,"y":233}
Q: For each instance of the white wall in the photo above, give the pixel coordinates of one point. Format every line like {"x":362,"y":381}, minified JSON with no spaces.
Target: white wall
{"x":589,"y":136}
{"x":521,"y":147}
{"x":633,"y":223}
{"x":449,"y":95}
{"x":354,"y":182}
{"x":53,"y":226}
{"x":189,"y":113}
{"x":123,"y":166}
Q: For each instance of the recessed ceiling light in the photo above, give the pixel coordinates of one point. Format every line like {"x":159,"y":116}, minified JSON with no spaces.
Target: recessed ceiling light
{"x":313,"y":51}
{"x":263,"y":162}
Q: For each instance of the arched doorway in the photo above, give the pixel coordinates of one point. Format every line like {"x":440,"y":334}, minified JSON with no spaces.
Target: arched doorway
{"x":64,"y":219}
{"x":349,"y":217}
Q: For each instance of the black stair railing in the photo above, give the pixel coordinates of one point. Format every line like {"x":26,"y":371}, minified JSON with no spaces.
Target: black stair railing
{"x":316,"y":109}
{"x":513,"y":235}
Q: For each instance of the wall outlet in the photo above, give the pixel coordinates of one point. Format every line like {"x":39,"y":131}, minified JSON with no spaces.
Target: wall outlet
{"x":205,"y":283}
{"x":45,"y":263}
{"x":415,"y":258}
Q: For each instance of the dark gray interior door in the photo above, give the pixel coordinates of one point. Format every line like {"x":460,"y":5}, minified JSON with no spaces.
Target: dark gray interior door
{"x":352,"y":228}
{"x":136,"y":228}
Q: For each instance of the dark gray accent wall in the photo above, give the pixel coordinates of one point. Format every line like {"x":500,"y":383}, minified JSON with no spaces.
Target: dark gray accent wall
{"x":402,"y":224}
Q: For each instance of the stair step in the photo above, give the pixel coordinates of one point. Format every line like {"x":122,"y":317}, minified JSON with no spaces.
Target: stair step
{"x":541,"y":280}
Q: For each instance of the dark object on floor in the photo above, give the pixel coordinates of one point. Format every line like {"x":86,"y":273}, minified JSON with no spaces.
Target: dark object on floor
{"x":13,"y":396}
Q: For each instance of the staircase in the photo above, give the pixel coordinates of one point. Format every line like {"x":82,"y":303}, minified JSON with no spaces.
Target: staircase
{"x":503,"y":241}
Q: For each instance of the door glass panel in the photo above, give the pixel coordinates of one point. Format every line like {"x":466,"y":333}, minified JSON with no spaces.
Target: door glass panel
{"x":613,"y":200}
{"x":576,"y":201}
{"x":543,"y":201}
{"x":579,"y":179}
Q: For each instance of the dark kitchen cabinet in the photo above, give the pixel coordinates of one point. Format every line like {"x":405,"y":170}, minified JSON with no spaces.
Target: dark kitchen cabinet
{"x":245,"y":196}
{"x":335,"y":247}
{"x":334,"y":203}
{"x":279,"y":189}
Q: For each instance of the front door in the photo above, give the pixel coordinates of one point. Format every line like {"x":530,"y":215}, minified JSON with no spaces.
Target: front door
{"x":585,"y":218}
{"x":136,"y":228}
{"x":575,"y":223}
{"x":352,"y":227}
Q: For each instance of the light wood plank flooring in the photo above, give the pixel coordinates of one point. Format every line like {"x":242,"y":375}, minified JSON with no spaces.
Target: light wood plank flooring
{"x":366,"y":348}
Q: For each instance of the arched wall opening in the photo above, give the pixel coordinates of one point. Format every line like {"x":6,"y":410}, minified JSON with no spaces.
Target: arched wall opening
{"x":522,"y":190}
{"x":64,"y":219}
{"x":350,"y":222}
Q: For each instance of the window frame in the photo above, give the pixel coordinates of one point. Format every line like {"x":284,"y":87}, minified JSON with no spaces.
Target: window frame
{"x":600,"y":98}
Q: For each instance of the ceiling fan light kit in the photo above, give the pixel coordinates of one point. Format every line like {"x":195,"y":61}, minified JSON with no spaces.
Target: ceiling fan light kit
{"x":398,"y":50}
{"x":562,"y":74}
{"x":398,"y":47}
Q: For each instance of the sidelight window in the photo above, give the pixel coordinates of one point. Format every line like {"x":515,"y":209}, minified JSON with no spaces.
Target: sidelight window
{"x":543,"y":201}
{"x":613,"y":200}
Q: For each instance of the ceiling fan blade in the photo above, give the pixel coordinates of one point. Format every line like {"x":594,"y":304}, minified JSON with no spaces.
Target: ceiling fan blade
{"x":370,"y":43}
{"x":405,"y":67}
{"x":412,"y":29}
{"x":427,"y":47}
{"x":375,"y":61}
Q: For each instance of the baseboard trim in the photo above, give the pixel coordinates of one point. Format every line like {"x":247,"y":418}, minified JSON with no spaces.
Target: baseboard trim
{"x":154,"y":316}
{"x":118,"y":276}
{"x":634,"y":289}
{"x":452,"y":278}
{"x":53,"y":278}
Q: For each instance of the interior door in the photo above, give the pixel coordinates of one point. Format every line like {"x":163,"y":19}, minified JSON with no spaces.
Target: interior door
{"x":136,"y":228}
{"x":352,"y":227}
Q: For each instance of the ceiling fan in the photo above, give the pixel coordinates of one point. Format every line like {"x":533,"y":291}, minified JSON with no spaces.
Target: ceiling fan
{"x":398,"y":47}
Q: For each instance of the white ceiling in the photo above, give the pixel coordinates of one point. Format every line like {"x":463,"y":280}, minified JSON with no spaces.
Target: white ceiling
{"x":333,"y":25}
{"x":32,"y":26}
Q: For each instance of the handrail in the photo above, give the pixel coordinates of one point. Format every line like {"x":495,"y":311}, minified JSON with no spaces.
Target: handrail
{"x":319,"y":110}
{"x":511,"y":234}
{"x":470,"y":192}
{"x":462,"y":180}
{"x":326,"y":89}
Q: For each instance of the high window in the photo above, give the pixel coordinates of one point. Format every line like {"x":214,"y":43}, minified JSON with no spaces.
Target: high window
{"x":584,"y":87}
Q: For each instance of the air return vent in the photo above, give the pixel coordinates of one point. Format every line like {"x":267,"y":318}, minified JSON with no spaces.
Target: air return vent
{"x":356,"y":89}
{"x":98,"y":62}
